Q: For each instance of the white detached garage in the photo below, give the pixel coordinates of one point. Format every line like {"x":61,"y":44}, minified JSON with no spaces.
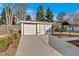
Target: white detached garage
{"x":35,"y":28}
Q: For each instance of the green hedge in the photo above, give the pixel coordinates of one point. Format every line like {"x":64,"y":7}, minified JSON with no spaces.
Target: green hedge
{"x":16,"y":35}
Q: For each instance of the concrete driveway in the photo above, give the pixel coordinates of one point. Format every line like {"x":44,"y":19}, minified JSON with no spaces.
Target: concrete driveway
{"x":32,"y":45}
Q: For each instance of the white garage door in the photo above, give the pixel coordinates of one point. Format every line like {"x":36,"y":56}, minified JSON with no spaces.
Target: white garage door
{"x":29,"y":29}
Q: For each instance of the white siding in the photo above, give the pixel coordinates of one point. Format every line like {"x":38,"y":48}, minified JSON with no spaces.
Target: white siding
{"x":41,"y":29}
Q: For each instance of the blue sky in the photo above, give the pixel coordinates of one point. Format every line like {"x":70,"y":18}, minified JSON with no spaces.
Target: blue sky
{"x":55,"y":7}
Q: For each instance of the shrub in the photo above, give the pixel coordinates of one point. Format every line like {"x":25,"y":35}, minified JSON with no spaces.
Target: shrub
{"x":4,"y":43}
{"x":16,"y":35}
{"x":9,"y":39}
{"x":2,"y":47}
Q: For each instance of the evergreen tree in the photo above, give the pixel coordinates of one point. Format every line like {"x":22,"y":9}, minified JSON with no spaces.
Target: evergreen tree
{"x":40,"y":14}
{"x":28,"y":17}
{"x":3,"y":17}
{"x":49,"y":15}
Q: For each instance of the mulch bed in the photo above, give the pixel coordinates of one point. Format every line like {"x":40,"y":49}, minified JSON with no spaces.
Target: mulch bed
{"x":74,"y":42}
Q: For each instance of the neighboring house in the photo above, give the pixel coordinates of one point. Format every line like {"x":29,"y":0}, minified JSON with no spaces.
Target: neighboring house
{"x":70,"y":25}
{"x":35,"y":27}
{"x":74,"y":23}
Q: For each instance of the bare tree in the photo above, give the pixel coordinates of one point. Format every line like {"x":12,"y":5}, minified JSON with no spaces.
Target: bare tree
{"x":60,"y":17}
{"x":20,"y":11}
{"x":9,"y":17}
{"x":73,"y":14}
{"x":73,"y":17}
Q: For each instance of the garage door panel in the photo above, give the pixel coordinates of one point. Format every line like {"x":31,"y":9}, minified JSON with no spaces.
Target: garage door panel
{"x":29,"y":29}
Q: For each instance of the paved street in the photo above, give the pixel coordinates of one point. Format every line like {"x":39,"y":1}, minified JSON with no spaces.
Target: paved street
{"x":35,"y":46}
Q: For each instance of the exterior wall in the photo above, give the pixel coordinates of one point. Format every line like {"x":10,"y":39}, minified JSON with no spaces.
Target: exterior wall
{"x":35,"y":29}
{"x":70,"y":28}
{"x":43,"y":28}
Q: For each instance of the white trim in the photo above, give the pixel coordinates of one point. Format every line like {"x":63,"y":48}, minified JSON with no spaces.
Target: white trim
{"x":35,"y":22}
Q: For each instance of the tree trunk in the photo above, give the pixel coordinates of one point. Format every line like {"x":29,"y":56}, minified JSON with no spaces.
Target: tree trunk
{"x":9,"y":19}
